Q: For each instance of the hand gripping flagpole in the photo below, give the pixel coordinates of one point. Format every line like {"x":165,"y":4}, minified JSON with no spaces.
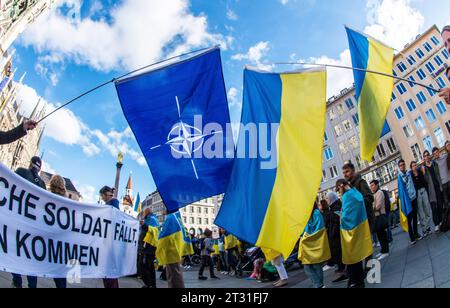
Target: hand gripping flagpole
{"x":121,"y":77}
{"x":360,"y":70}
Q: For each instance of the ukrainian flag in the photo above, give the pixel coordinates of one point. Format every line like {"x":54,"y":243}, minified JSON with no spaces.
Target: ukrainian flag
{"x":152,"y":235}
{"x":269,"y":204}
{"x":356,"y":238}
{"x":314,"y":246}
{"x":216,"y":247}
{"x":230,"y":242}
{"x":373,"y":91}
{"x":405,"y":206}
{"x":172,"y":245}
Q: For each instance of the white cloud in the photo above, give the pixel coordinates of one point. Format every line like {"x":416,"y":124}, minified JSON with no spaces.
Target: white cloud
{"x":88,"y":193}
{"x":393,"y":22}
{"x":233,"y":99}
{"x":137,"y":33}
{"x":231,"y":15}
{"x":255,"y":55}
{"x":284,"y":2}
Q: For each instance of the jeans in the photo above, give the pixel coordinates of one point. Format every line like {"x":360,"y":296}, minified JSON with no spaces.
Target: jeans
{"x":60,"y":283}
{"x":17,"y":281}
{"x":315,"y":273}
{"x":412,"y":222}
{"x":383,"y":238}
{"x":424,"y":209}
{"x":206,"y":262}
{"x":148,"y":271}
{"x":232,"y":261}
{"x":446,"y":194}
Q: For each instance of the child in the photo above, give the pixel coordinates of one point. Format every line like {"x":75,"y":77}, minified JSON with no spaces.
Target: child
{"x":206,"y":251}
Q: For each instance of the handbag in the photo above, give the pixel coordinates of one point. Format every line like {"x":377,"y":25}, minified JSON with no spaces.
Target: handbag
{"x":381,"y":223}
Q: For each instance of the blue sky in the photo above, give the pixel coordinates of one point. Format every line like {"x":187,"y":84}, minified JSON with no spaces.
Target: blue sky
{"x":82,"y":43}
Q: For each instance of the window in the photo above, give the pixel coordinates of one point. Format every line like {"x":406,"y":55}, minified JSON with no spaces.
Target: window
{"x":206,"y":221}
{"x":401,"y":89}
{"x":441,"y":82}
{"x":420,"y":53}
{"x":191,"y":209}
{"x":422,"y":98}
{"x":445,"y":54}
{"x":191,"y":220}
{"x":332,"y":114}
{"x":325,"y":138}
{"x":411,"y":106}
{"x":339,"y":131}
{"x":184,"y":219}
{"x":428,"y":143}
{"x":329,"y":154}
{"x":420,"y":124}
{"x":349,"y":104}
{"x":421,"y":74}
{"x":431,"y":116}
{"x":432,"y":93}
{"x":324,"y":176}
{"x":448,"y":126}
{"x":441,"y":107}
{"x":206,"y":210}
{"x":430,"y":67}
{"x":438,"y":61}
{"x":340,"y":109}
{"x":343,"y":148}
{"x":199,"y":221}
{"x":440,"y":137}
{"x":391,"y":145}
{"x":402,"y":67}
{"x":435,"y":41}
{"x":411,"y":84}
{"x":394,"y":97}
{"x":347,"y":125}
{"x":359,"y":162}
{"x":411,"y":60}
{"x":408,"y":131}
{"x":354,"y":142}
{"x":356,"y":119}
{"x":415,"y":149}
{"x":334,"y":172}
{"x":199,"y":210}
{"x":399,"y":113}
{"x":381,"y":151}
{"x":427,"y":47}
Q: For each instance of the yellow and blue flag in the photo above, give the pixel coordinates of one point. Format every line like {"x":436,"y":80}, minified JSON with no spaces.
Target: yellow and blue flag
{"x":314,"y":245}
{"x":356,"y":238}
{"x":173,"y":244}
{"x":405,"y":206}
{"x":373,"y":91}
{"x":169,"y":110}
{"x":137,"y":205}
{"x":152,"y":235}
{"x":268,"y":205}
{"x":230,"y":241}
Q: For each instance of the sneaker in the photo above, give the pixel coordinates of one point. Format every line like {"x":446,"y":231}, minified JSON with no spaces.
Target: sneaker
{"x":383,"y":256}
{"x":413,"y":243}
{"x":203,"y":278}
{"x":276,"y":282}
{"x":341,"y":279}
{"x":281,"y":284}
{"x":327,"y":268}
{"x":437,"y":229}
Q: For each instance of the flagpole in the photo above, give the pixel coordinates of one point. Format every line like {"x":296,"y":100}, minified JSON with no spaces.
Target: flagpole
{"x":360,"y":70}
{"x":123,"y":76}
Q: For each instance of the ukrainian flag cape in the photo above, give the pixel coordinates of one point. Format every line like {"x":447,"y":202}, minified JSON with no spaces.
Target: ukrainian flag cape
{"x":230,"y":241}
{"x":373,"y":91}
{"x":172,"y":243}
{"x":314,"y":246}
{"x":356,"y":238}
{"x":405,"y":206}
{"x":216,"y":247}
{"x":152,"y":235}
{"x":269,"y":199}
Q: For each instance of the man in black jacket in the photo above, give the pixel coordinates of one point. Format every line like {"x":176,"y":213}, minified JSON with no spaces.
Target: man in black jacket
{"x":17,"y":133}
{"x":32,"y":175}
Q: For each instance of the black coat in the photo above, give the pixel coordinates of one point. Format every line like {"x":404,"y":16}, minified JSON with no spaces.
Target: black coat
{"x":334,"y":232}
{"x":28,"y":175}
{"x":361,"y":185}
{"x":12,"y":135}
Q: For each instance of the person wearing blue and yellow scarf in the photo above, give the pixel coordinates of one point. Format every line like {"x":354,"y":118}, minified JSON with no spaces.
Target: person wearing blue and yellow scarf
{"x":314,"y":249}
{"x":231,"y":246}
{"x":150,"y":242}
{"x":356,"y":239}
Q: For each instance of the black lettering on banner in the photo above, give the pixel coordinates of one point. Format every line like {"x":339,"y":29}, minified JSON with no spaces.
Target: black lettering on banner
{"x":74,"y":228}
{"x":71,"y":253}
{"x":6,"y":184}
{"x":18,"y":199}
{"x":55,"y":253}
{"x":35,"y":248}
{"x":21,"y":244}
{"x":97,"y":228}
{"x":65,"y":226}
{"x":49,"y":218}
{"x":83,"y":255}
{"x":107,"y":223}
{"x":28,"y":205}
{"x":87,"y":224}
{"x":93,"y":256}
{"x":4,"y":239}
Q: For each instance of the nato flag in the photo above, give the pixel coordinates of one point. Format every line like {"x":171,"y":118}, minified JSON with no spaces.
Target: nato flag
{"x":180,"y":118}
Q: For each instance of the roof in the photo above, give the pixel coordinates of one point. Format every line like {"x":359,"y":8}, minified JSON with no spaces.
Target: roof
{"x":130,"y":183}
{"x":69,"y":184}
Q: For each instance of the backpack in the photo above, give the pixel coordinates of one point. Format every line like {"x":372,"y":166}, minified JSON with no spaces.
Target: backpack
{"x":387,"y":201}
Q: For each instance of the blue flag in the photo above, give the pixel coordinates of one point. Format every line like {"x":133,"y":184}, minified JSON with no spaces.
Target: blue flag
{"x":179,"y":116}
{"x":136,"y":204}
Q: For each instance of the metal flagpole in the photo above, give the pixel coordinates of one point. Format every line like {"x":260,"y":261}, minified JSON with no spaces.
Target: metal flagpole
{"x":123,"y":76}
{"x":361,"y":70}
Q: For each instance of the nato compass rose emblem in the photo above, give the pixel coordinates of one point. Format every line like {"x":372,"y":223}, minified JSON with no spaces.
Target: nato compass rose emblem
{"x":185,"y":139}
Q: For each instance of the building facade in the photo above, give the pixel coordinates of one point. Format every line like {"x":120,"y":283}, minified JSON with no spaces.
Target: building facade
{"x":419,"y":119}
{"x":196,"y":217}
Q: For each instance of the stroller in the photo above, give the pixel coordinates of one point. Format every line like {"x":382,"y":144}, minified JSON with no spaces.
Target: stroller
{"x":248,"y":258}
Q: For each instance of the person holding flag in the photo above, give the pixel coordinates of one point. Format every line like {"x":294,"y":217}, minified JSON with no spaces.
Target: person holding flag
{"x":356,"y":239}
{"x":314,"y":249}
{"x":408,"y":202}
{"x":148,"y":272}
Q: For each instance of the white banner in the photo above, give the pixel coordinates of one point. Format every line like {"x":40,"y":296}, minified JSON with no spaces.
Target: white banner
{"x":45,"y":235}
